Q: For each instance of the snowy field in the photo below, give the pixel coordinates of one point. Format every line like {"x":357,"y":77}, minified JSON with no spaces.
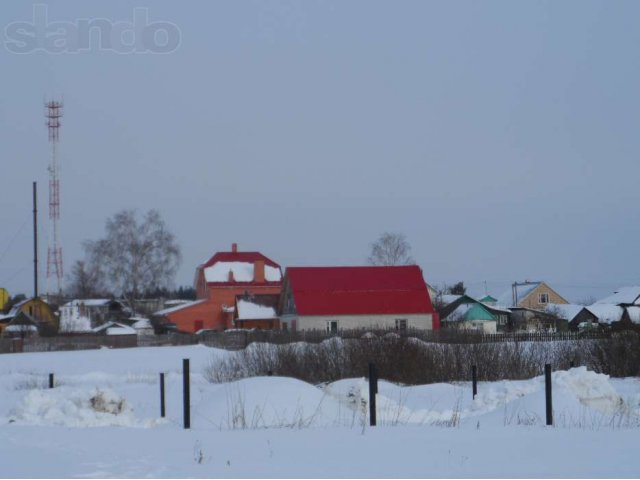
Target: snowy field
{"x":102,"y":420}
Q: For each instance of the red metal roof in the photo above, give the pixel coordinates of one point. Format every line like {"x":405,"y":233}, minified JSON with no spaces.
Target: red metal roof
{"x":359,"y":290}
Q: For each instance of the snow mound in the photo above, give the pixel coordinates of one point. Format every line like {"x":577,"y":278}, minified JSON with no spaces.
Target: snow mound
{"x":590,"y":388}
{"x":269,"y":402}
{"x":75,"y":408}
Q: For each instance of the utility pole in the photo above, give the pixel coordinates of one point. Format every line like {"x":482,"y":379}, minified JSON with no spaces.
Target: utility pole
{"x":35,"y":239}
{"x":514,"y":290}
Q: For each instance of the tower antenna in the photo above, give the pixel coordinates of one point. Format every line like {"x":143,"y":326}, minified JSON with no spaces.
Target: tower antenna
{"x":53,"y":113}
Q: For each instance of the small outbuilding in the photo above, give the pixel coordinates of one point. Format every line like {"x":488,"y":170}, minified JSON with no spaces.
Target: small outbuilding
{"x":257,"y":311}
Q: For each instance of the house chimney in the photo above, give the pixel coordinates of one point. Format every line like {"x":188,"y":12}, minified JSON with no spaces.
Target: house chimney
{"x":231,"y":277}
{"x":234,"y":247}
{"x":258,"y":271}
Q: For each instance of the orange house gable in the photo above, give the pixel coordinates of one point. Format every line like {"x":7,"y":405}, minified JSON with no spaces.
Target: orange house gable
{"x":218,"y":281}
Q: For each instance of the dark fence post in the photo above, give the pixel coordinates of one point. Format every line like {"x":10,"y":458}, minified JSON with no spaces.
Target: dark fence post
{"x":474,"y":380}
{"x":547,"y":391}
{"x":162,"y":409}
{"x":51,"y":380}
{"x":186,"y":397}
{"x":373,"y":389}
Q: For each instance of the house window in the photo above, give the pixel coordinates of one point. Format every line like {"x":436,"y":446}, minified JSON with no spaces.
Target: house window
{"x":289,"y":303}
{"x":332,"y":326}
{"x":401,"y":324}
{"x":543,"y":298}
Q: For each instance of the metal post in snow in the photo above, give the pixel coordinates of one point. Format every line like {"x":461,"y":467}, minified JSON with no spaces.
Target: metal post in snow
{"x":474,"y":380}
{"x":373,"y":389}
{"x":162,"y":408}
{"x":186,"y":397}
{"x":547,"y":391}
{"x":51,"y":380}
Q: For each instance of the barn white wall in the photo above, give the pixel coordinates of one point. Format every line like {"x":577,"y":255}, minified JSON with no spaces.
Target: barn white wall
{"x":348,"y":322}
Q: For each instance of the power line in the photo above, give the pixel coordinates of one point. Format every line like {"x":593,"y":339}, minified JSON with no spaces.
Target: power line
{"x":13,"y":239}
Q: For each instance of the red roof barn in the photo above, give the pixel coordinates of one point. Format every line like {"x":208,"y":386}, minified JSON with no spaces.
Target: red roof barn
{"x":335,"y":298}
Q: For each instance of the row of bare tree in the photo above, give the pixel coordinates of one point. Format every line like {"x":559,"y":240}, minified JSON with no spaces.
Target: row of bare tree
{"x":138,"y":255}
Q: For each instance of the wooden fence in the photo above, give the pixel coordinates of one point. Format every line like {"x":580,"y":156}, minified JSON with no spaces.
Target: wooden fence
{"x":239,"y":339}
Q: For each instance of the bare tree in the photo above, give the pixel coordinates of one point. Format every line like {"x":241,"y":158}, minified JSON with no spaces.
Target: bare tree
{"x":456,"y":289}
{"x":86,"y":280}
{"x":391,"y":249}
{"x":136,"y":256}
{"x":586,"y":301}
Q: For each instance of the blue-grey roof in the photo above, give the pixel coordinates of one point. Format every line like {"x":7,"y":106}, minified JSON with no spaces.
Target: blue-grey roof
{"x":506,"y":299}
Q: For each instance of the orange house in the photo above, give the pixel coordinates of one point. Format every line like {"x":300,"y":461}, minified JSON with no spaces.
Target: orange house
{"x":218,"y":281}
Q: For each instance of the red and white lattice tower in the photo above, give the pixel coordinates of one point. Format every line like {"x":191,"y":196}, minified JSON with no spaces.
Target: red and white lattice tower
{"x":53,"y":112}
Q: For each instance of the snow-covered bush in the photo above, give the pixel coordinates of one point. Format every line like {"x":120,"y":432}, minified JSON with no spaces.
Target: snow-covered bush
{"x":411,"y":361}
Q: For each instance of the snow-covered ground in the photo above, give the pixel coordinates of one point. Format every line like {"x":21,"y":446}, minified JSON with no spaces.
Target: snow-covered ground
{"x":102,"y":420}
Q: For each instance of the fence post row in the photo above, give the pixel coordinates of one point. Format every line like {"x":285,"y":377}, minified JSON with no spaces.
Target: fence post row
{"x":547,"y":391}
{"x":186,"y":397}
{"x":474,"y":380}
{"x":162,"y":408}
{"x":373,"y":390}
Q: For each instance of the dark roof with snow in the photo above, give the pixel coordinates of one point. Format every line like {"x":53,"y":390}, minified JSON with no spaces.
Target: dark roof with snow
{"x":240,"y":257}
{"x":241,"y":265}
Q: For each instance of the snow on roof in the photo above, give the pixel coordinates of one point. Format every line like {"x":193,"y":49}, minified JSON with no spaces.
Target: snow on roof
{"x":567,"y":311}
{"x":173,"y":303}
{"x":16,"y":308}
{"x":447,"y":298}
{"x":506,"y":299}
{"x":459,"y":313}
{"x":251,"y":311}
{"x":167,"y":311}
{"x":242,"y":272}
{"x":634,"y":314}
{"x":623,"y":296}
{"x":21,"y":328}
{"x":114,"y":328}
{"x":88,"y":302}
{"x":606,"y":313}
{"x":5,"y":317}
{"x":141,"y":323}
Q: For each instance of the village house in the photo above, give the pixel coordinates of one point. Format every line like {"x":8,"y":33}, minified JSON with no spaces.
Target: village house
{"x":81,"y":315}
{"x":579,"y":317}
{"x":20,"y":326}
{"x":345,"y":298}
{"x":530,"y":295}
{"x":218,"y":282}
{"x":532,"y":320}
{"x":468,"y":313}
{"x":620,"y":309}
{"x":37,"y":311}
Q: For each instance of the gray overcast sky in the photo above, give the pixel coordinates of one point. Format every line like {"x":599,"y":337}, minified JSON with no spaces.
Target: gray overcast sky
{"x":500,"y":137}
